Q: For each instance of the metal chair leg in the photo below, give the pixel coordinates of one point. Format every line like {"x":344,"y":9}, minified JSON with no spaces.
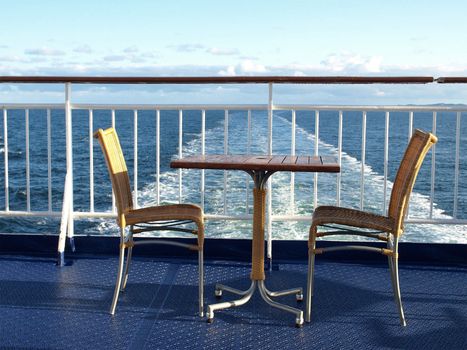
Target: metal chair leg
{"x":397,"y":291}
{"x":394,"y":270}
{"x":119,"y":280}
{"x":310,"y":280}
{"x":127,"y":268}
{"x":201,"y":282}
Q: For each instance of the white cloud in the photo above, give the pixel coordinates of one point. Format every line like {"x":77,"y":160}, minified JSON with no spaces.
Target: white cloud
{"x":12,"y":58}
{"x":222,"y":52}
{"x":114,"y":58}
{"x":349,"y":62}
{"x":83,"y":49}
{"x":44,"y":51}
{"x":246,"y":67}
{"x":250,"y":67}
{"x":298,"y":74}
{"x":131,"y":49}
{"x":147,"y":54}
{"x":187,"y":47}
{"x":228,"y":72}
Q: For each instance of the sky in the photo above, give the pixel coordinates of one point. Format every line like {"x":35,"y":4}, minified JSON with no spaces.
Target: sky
{"x":227,"y":38}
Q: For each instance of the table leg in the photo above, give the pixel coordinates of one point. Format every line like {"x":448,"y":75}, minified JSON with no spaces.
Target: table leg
{"x":297,"y":291}
{"x":225,"y":305}
{"x":264,"y":294}
{"x":257,"y":253}
{"x":257,"y":267}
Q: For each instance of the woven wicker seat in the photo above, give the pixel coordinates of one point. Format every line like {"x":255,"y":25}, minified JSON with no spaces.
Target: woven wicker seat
{"x":338,"y":221}
{"x":176,"y":217}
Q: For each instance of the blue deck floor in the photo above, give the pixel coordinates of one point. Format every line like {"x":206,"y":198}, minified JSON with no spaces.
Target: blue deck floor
{"x":46,"y":307}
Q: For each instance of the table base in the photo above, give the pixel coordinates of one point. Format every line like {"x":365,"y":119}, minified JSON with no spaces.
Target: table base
{"x":265,"y":294}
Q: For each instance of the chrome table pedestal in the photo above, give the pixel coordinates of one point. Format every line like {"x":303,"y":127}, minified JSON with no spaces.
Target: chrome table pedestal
{"x":260,"y":178}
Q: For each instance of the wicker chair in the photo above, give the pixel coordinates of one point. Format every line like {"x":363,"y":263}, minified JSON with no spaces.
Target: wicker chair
{"x":386,"y":228}
{"x":175,"y":217}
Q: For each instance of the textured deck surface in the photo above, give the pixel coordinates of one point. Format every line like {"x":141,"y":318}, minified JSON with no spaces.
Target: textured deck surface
{"x":46,"y":307}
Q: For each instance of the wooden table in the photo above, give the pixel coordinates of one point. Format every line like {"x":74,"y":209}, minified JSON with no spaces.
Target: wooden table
{"x":260,"y":168}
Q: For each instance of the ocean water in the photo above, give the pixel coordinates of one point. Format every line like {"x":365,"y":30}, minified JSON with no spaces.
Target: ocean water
{"x":237,"y":193}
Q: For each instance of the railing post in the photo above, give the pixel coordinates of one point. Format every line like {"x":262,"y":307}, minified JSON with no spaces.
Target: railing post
{"x":67,"y":223}
{"x":269,"y":201}
{"x":5,"y":156}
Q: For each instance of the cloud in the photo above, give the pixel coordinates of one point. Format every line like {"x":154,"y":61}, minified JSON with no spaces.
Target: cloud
{"x":44,"y":51}
{"x":83,"y":49}
{"x":12,"y":58}
{"x":250,"y":67}
{"x":222,"y":52}
{"x":147,"y":55}
{"x":353,"y":63}
{"x":187,"y":47}
{"x":114,"y":58}
{"x":228,"y":72}
{"x":131,"y":49}
{"x":246,"y":67}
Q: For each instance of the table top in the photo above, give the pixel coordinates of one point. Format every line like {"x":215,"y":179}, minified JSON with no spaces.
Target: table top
{"x":259,"y":163}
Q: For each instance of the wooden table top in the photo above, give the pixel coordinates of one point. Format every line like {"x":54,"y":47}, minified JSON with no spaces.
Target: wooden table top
{"x":259,"y":163}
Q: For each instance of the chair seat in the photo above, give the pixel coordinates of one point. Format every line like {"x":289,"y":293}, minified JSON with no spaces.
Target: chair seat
{"x":351,"y":217}
{"x":165,"y":212}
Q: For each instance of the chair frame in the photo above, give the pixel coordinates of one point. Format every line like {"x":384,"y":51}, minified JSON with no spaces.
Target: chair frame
{"x":174,"y":218}
{"x":385,"y":228}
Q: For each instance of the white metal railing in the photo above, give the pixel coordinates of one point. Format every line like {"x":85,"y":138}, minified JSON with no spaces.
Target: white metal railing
{"x":68,"y":214}
{"x":226,"y":108}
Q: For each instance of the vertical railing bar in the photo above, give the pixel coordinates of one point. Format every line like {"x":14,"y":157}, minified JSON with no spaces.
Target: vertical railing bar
{"x":114,"y":209}
{"x":362,"y":177}
{"x":180,"y":152}
{"x":386,"y":159}
{"x":91,"y":160}
{"x":339,"y":159}
{"x":315,"y":182}
{"x":433,"y":167}
{"x":203,"y":152}
{"x":409,"y":137}
{"x":49,"y":161}
{"x":69,"y":160}
{"x":293,"y":148}
{"x":410,"y":124}
{"x":135,"y":158}
{"x":5,"y":156}
{"x":226,"y":151}
{"x":67,"y":219}
{"x":248,"y":151}
{"x":28,"y":170}
{"x":269,"y":184}
{"x":158,"y":156}
{"x":270,"y":116}
{"x":456,"y":169}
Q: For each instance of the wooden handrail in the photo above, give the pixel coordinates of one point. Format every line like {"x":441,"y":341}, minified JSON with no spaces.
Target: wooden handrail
{"x":219,"y":80}
{"x":451,"y":80}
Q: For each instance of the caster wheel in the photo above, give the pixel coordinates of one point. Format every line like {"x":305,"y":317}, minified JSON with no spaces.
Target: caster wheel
{"x":218,"y":293}
{"x":210,"y":320}
{"x":299,"y":297}
{"x":299,"y":322}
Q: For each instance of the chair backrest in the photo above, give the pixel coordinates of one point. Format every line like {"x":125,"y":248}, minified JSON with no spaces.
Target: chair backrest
{"x":419,"y":145}
{"x":118,"y":172}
